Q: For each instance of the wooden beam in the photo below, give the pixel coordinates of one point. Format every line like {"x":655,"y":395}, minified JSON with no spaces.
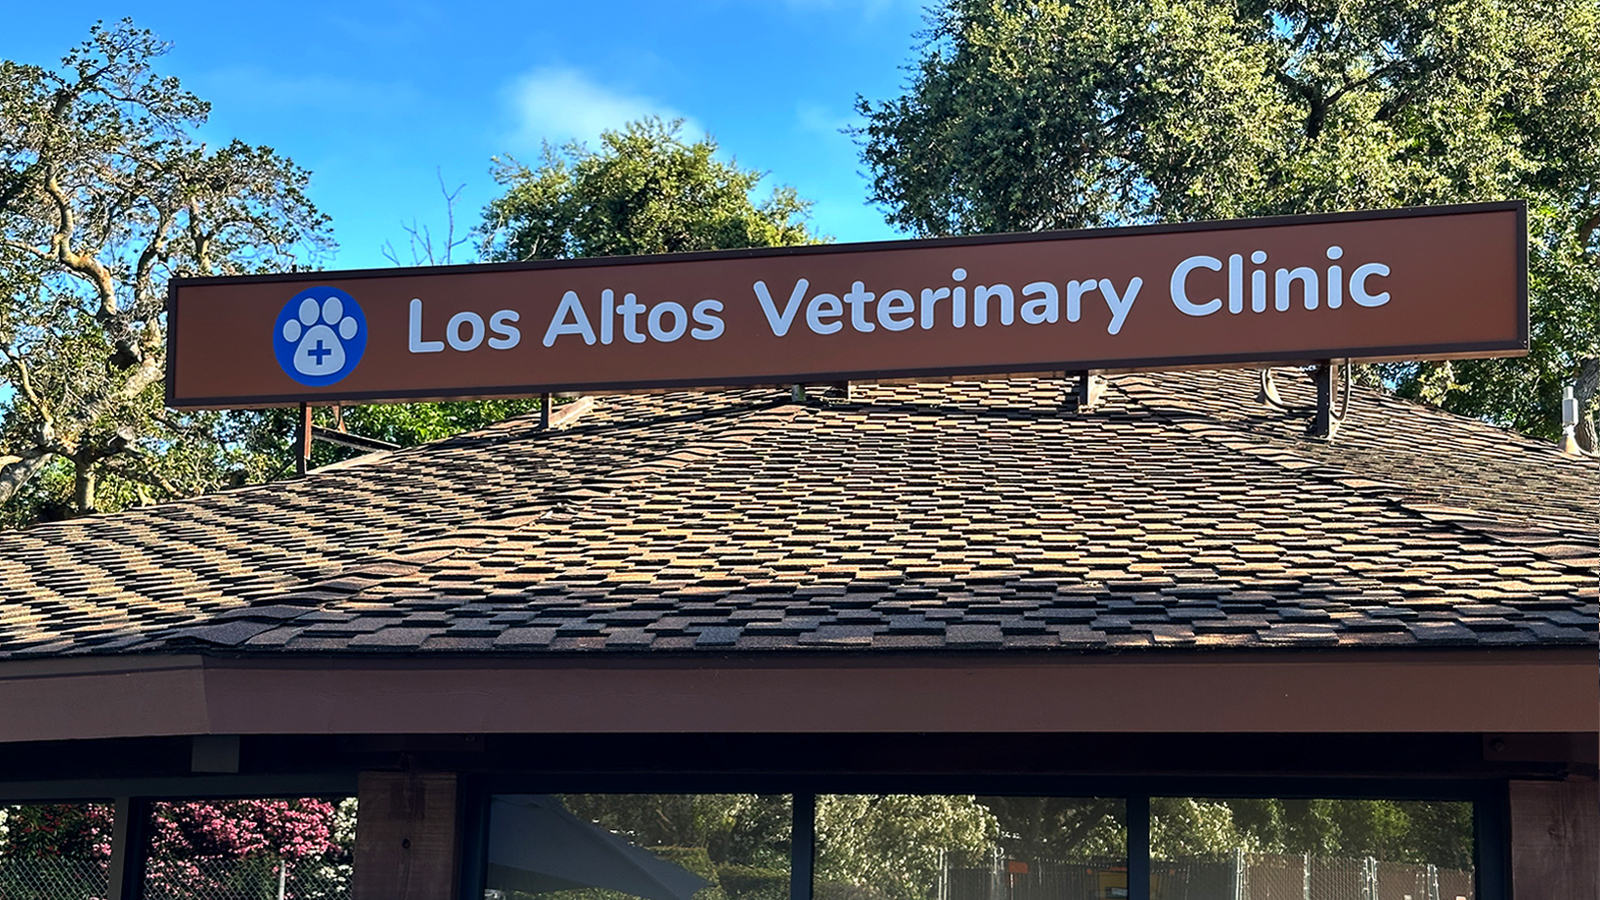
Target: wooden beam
{"x":1555,"y":840}
{"x":407,"y":837}
{"x":1314,"y":692}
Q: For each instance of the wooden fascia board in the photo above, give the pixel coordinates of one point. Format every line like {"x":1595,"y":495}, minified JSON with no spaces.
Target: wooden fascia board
{"x":1307,"y":692}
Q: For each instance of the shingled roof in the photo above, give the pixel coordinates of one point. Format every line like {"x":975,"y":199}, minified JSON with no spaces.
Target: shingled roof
{"x":983,"y":516}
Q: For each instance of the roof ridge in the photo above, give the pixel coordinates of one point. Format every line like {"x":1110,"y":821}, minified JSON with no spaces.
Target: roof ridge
{"x":1540,"y":540}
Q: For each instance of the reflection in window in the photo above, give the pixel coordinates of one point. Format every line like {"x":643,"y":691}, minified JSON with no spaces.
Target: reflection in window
{"x":56,"y":851}
{"x":955,"y":847}
{"x":652,"y":846}
{"x":1310,"y":849}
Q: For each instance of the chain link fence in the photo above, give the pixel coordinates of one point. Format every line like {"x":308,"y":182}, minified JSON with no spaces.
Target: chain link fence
{"x":205,"y":879}
{"x":1241,"y":876}
{"x":1269,"y":876}
{"x":1038,"y":880}
{"x":260,"y":878}
{"x":57,"y":878}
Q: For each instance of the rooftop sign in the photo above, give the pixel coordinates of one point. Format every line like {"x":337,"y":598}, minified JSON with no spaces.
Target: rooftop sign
{"x":1406,"y":284}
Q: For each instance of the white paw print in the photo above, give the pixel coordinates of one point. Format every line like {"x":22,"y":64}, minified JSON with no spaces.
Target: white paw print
{"x":319,"y":333}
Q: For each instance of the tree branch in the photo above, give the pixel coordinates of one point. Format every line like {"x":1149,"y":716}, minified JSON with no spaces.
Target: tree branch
{"x":1586,"y":231}
{"x":1318,"y":111}
{"x":152,"y":252}
{"x":144,"y":473}
{"x":150,"y":370}
{"x":15,"y":471}
{"x":31,"y":394}
{"x":86,"y":267}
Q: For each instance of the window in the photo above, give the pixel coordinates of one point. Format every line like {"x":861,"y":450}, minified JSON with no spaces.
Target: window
{"x":949,"y":846}
{"x":652,"y":846}
{"x":967,"y":847}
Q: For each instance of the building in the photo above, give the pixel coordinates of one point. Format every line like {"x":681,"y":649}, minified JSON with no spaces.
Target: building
{"x":970,"y":587}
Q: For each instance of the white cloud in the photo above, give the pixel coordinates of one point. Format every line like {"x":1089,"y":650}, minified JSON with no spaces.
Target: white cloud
{"x":559,"y":104}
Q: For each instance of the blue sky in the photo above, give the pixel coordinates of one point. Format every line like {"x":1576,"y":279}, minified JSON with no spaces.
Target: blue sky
{"x":375,"y":98}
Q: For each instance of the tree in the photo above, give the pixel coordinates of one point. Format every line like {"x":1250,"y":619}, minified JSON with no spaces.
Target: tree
{"x":105,"y":193}
{"x":1039,"y":114}
{"x":1059,"y":828}
{"x":740,"y":829}
{"x":643,"y":191}
{"x":1418,"y":832}
{"x":893,"y":846}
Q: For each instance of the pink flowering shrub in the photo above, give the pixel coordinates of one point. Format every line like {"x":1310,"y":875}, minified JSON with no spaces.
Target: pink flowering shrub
{"x":197,"y":848}
{"x":240,"y":829}
{"x":203,"y":848}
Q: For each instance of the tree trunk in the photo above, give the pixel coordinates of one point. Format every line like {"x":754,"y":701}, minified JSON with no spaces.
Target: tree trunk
{"x":1588,"y":382}
{"x":83,"y":484}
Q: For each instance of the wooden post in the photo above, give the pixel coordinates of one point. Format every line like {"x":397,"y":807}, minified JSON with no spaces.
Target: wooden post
{"x":130,"y":838}
{"x":407,"y":837}
{"x":1555,"y":840}
{"x":303,"y":462}
{"x":1138,"y":818}
{"x":802,"y":834}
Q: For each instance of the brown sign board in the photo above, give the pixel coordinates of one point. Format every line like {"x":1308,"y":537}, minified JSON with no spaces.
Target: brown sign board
{"x":1429,"y":283}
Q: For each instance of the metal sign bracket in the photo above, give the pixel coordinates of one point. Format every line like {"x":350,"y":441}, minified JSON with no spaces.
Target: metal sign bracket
{"x":1084,"y":389}
{"x":1333,"y":380}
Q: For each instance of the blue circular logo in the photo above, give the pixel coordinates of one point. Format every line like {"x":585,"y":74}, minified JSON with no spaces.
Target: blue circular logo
{"x":320,"y":336}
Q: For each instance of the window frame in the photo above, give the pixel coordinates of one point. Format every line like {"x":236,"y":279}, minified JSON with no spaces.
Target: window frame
{"x":1491,"y":813}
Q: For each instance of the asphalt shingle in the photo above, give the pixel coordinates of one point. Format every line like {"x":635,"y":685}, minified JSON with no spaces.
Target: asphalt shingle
{"x":913,"y":518}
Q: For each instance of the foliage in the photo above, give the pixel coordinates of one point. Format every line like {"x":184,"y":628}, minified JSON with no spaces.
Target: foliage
{"x":197,"y":848}
{"x":1390,"y":830}
{"x":737,"y":829}
{"x":753,"y":882}
{"x":105,"y":194}
{"x":644,"y":191}
{"x":895,"y":844}
{"x":268,"y":436}
{"x":80,"y":831}
{"x":1059,"y":827}
{"x":239,"y":829}
{"x":737,"y":842}
{"x":887,"y":845}
{"x":1036,"y":114}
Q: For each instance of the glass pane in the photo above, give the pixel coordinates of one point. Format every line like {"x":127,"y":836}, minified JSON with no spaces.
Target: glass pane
{"x":653,"y":846}
{"x":225,"y":849}
{"x":1310,"y":850}
{"x":963,"y":847}
{"x":56,"y":851}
